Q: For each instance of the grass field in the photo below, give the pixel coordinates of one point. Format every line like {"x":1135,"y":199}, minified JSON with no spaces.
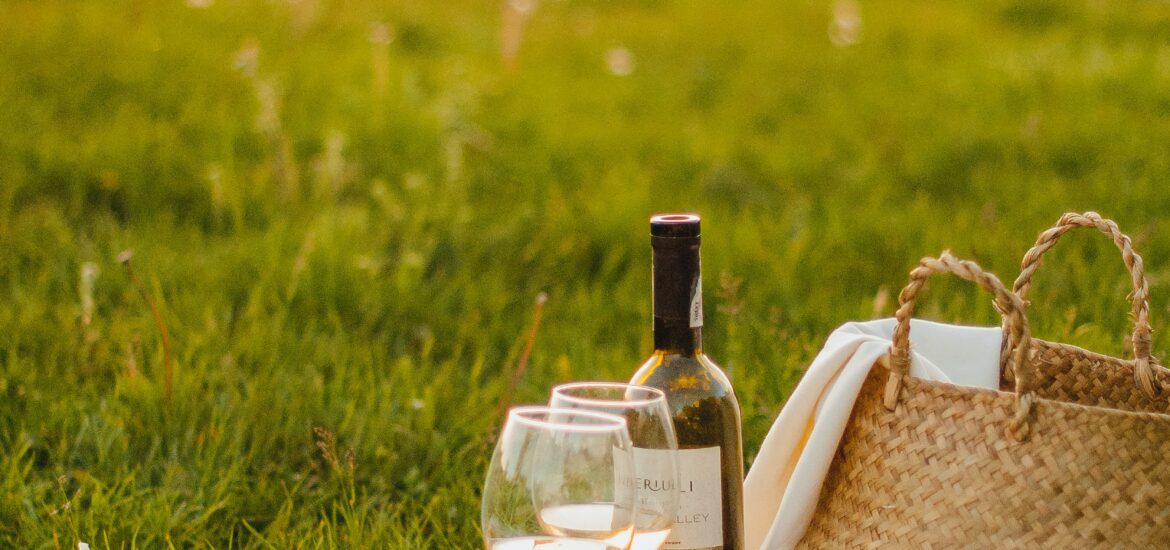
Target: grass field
{"x":344,"y":211}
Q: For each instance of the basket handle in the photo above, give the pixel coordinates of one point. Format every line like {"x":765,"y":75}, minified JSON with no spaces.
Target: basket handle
{"x":1143,"y":372}
{"x":1009,"y":304}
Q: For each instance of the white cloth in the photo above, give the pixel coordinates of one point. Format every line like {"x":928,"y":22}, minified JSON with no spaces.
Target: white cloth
{"x":781,"y":490}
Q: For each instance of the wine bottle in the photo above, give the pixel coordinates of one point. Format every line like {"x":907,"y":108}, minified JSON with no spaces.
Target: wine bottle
{"x":704,"y":408}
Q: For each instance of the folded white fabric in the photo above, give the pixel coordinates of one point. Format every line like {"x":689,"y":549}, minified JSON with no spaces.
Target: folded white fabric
{"x":782,"y":487}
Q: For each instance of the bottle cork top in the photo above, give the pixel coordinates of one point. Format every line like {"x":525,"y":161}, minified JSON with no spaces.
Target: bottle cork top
{"x":674,"y":225}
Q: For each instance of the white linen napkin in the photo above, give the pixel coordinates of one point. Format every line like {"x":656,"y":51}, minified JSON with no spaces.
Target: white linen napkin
{"x":781,"y":489}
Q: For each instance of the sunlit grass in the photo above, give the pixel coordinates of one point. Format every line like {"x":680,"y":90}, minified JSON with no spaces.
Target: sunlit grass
{"x":344,"y":212}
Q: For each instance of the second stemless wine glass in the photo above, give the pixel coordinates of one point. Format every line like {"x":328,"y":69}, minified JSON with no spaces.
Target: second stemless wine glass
{"x":560,"y":479}
{"x":655,"y":452}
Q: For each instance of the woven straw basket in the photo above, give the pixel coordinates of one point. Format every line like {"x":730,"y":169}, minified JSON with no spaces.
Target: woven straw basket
{"x":1069,"y":373}
{"x":926,"y":464}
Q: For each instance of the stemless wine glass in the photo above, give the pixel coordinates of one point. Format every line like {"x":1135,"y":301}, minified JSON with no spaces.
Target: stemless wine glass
{"x":656,"y":468}
{"x":560,"y":479}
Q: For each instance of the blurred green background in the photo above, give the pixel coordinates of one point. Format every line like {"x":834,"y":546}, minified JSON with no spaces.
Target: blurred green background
{"x":344,"y":212}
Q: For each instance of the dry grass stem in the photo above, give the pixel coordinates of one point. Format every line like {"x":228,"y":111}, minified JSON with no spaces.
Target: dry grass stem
{"x":168,"y":366}
{"x":522,"y":364}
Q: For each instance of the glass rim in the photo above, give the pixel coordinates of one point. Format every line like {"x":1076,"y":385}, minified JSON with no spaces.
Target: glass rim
{"x":658,"y":395}
{"x":523,"y":414}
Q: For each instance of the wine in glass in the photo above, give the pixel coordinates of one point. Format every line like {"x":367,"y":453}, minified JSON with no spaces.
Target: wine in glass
{"x":655,"y":451}
{"x":560,"y":479}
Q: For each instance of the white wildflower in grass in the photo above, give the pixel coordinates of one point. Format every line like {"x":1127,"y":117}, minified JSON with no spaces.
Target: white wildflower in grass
{"x":880,"y":301}
{"x":215,"y":189}
{"x":268,"y":114}
{"x":523,"y":7}
{"x":380,"y":33}
{"x":82,"y":546}
{"x":89,"y":275}
{"x":334,"y":169}
{"x":452,"y":145}
{"x":302,"y":14}
{"x":285,"y":173}
{"x":247,"y":58}
{"x":331,"y":168}
{"x":619,"y":61}
{"x":514,"y":18}
{"x":845,"y":26}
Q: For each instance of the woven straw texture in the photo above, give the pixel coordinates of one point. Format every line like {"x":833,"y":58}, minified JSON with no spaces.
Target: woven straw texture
{"x":1068,"y":373}
{"x":958,"y":467}
{"x":1064,"y":372}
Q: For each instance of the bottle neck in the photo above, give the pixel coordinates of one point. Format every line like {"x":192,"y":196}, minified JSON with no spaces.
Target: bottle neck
{"x":678,"y":295}
{"x":677,"y":338}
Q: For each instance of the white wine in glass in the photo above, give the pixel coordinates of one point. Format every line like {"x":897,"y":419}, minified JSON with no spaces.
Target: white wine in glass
{"x":655,"y":450}
{"x":560,"y":479}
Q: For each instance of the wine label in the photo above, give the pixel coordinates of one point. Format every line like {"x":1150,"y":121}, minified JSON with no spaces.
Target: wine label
{"x":656,"y":485}
{"x":699,"y":521}
{"x":696,"y":309}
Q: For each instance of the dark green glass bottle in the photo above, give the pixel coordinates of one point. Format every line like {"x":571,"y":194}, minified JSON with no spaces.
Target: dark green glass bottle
{"x":706,"y":412}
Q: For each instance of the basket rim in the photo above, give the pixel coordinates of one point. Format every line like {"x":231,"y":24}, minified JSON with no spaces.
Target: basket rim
{"x":1159,"y":369}
{"x":1105,"y":413}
